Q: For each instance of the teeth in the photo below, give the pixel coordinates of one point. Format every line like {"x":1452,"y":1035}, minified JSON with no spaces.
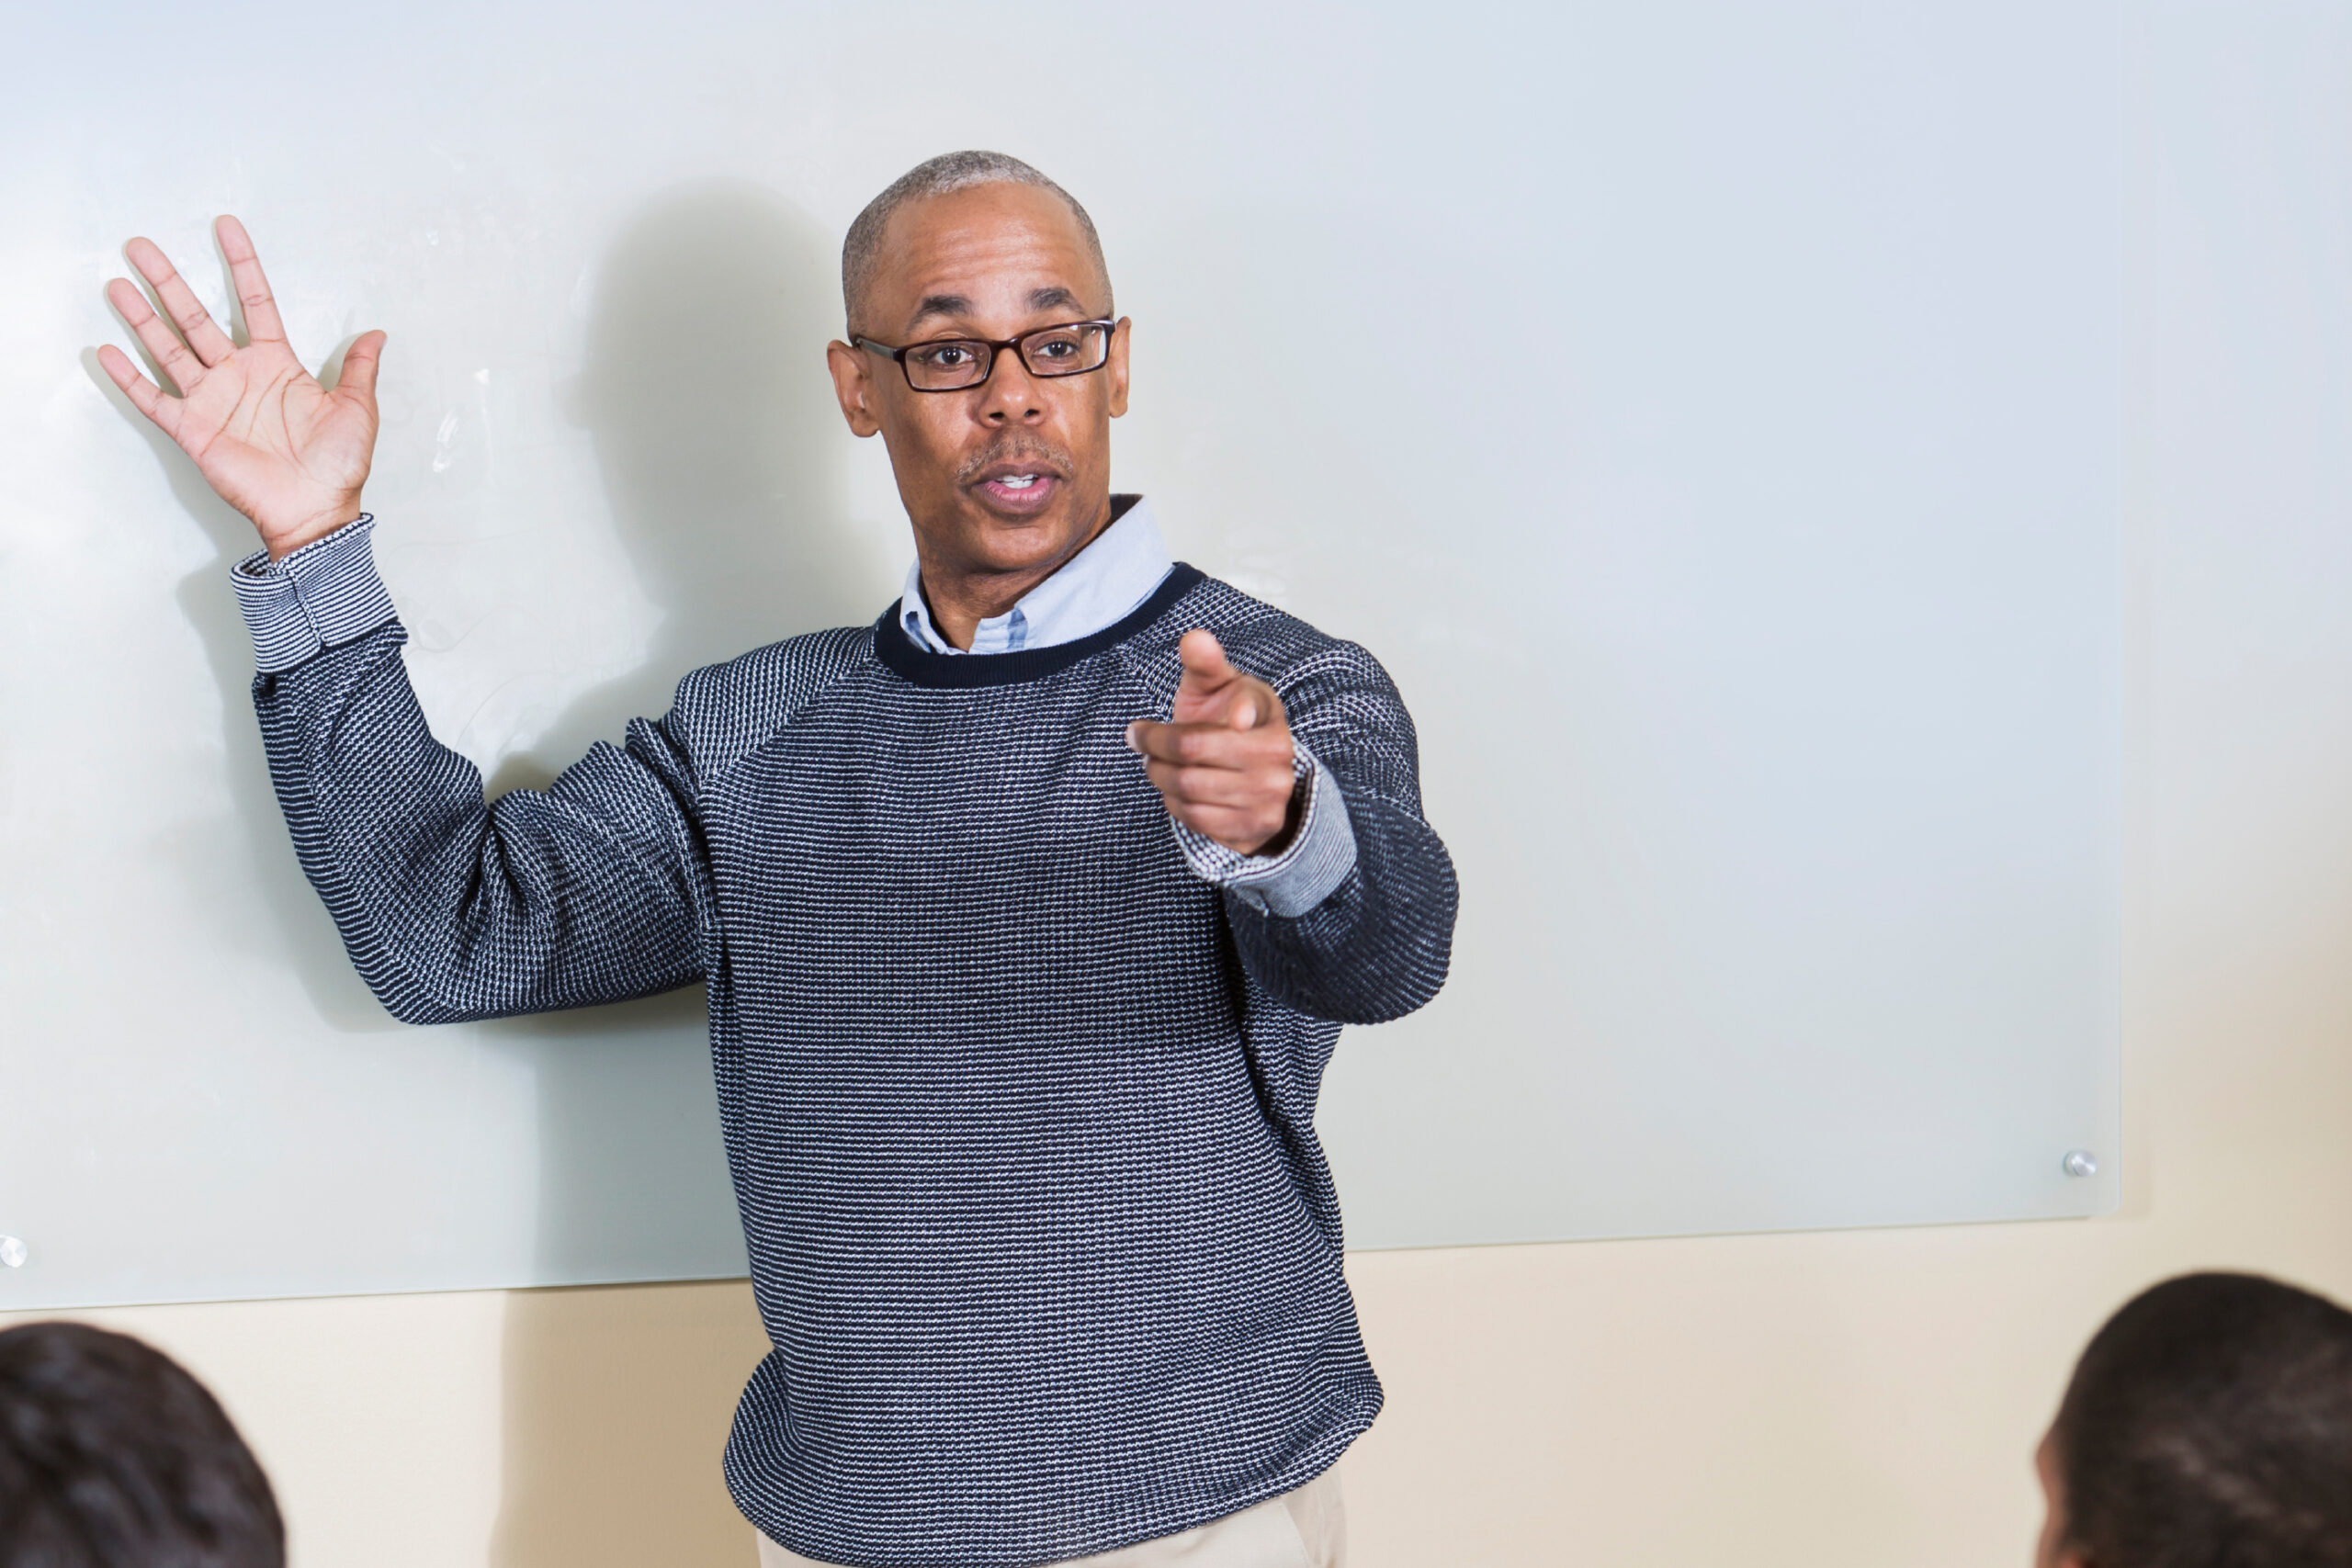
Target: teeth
{"x":1018,"y":481}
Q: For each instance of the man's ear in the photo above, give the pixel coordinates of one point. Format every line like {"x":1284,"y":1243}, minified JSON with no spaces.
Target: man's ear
{"x":854,"y":388}
{"x":1115,"y":366}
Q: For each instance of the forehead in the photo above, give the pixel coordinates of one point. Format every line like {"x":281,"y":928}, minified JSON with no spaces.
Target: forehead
{"x":994,"y":247}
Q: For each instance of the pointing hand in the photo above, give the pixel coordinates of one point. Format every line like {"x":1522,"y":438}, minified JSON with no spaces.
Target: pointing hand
{"x":276,"y":445}
{"x":1224,"y":765}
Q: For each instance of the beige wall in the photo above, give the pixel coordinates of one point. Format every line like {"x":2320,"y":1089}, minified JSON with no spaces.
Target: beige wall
{"x":1858,"y":1398}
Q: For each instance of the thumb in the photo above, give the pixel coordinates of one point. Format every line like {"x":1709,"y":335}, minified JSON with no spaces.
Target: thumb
{"x":359,"y":364}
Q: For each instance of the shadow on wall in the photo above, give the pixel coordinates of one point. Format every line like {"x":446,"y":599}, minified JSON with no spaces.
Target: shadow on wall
{"x":718,"y":435}
{"x":719,"y":441}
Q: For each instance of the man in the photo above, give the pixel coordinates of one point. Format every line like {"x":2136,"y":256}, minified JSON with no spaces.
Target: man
{"x":2209,"y":1425}
{"x":1017,"y":1037}
{"x":112,"y":1456}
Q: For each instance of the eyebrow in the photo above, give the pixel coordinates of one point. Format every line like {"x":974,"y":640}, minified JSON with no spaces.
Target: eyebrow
{"x":1046,"y":298}
{"x":942,"y":305}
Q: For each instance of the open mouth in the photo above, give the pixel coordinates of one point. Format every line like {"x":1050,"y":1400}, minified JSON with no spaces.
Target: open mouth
{"x":1022,"y":491}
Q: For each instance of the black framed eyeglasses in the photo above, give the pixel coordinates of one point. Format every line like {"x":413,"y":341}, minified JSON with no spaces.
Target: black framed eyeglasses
{"x":957,"y":364}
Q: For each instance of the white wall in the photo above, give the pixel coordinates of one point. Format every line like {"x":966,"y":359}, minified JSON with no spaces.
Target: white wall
{"x":1852,"y":1398}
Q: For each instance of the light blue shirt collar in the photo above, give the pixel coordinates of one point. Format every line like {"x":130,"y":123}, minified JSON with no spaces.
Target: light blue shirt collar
{"x":1096,"y":588}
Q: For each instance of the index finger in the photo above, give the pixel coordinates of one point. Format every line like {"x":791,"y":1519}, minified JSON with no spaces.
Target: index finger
{"x":1207,"y":745}
{"x":1202,"y":655}
{"x":262,"y":324}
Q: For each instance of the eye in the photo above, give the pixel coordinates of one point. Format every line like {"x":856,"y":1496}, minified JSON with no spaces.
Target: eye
{"x":945,"y":355}
{"x":1060,"y":345}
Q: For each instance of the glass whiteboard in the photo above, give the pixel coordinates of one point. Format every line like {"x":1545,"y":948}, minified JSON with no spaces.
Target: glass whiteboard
{"x":1707,"y":412}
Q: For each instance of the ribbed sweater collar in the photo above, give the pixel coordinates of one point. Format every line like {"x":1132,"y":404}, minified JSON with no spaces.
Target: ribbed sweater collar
{"x":921,"y":667}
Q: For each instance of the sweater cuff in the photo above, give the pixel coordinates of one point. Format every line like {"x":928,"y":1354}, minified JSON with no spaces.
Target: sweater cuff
{"x":1309,"y":871}
{"x":322,"y":596}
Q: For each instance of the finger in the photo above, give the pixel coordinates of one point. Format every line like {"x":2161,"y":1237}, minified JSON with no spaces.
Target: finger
{"x":162,"y":345}
{"x":1260,"y":708}
{"x":1254,"y":790}
{"x":187,"y":312}
{"x":262,"y":323}
{"x":1211,"y":744}
{"x":1145,"y":738}
{"x":1208,"y":744}
{"x":144,"y":395}
{"x":360,"y":362}
{"x":1207,"y":670}
{"x":1204,"y":656}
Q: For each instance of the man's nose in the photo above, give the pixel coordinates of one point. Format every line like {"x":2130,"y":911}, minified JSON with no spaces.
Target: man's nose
{"x":1011,"y":395}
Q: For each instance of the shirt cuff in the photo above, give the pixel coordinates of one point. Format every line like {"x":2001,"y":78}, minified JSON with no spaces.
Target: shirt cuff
{"x":322,"y":596}
{"x":1309,"y":871}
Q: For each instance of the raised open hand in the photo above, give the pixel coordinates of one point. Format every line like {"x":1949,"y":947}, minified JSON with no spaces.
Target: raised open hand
{"x":1224,"y":765}
{"x":273,"y":443}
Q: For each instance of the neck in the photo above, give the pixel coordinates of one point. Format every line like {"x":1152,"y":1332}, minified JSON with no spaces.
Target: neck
{"x":962,"y":594}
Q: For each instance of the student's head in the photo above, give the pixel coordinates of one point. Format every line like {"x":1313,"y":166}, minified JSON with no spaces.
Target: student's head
{"x":2209,"y":1425}
{"x":1013,"y":473}
{"x":112,"y":1457}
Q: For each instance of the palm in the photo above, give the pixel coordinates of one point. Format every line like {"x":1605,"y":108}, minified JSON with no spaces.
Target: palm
{"x":273,"y":443}
{"x":258,"y":423}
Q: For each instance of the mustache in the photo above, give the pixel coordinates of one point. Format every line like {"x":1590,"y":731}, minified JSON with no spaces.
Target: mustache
{"x":1024,"y":449}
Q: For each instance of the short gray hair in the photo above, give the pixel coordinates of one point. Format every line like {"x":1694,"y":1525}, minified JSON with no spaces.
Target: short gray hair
{"x":862,"y":251}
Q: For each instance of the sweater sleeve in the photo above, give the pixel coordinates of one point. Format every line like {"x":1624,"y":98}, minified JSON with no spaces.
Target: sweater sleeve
{"x":593,"y":890}
{"x":1355,"y":922}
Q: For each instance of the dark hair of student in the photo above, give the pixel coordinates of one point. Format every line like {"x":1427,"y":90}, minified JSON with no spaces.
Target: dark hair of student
{"x":111,"y":1456}
{"x":2209,"y":1425}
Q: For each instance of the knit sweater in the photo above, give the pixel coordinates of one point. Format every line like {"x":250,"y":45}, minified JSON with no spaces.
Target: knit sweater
{"x":1018,"y":1103}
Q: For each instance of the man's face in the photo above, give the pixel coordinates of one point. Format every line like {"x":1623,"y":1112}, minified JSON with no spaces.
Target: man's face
{"x":1014,"y":476}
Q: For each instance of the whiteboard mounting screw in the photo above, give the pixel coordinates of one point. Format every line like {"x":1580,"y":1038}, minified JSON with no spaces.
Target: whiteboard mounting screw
{"x":12,"y":1252}
{"x":2080,"y":1162}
